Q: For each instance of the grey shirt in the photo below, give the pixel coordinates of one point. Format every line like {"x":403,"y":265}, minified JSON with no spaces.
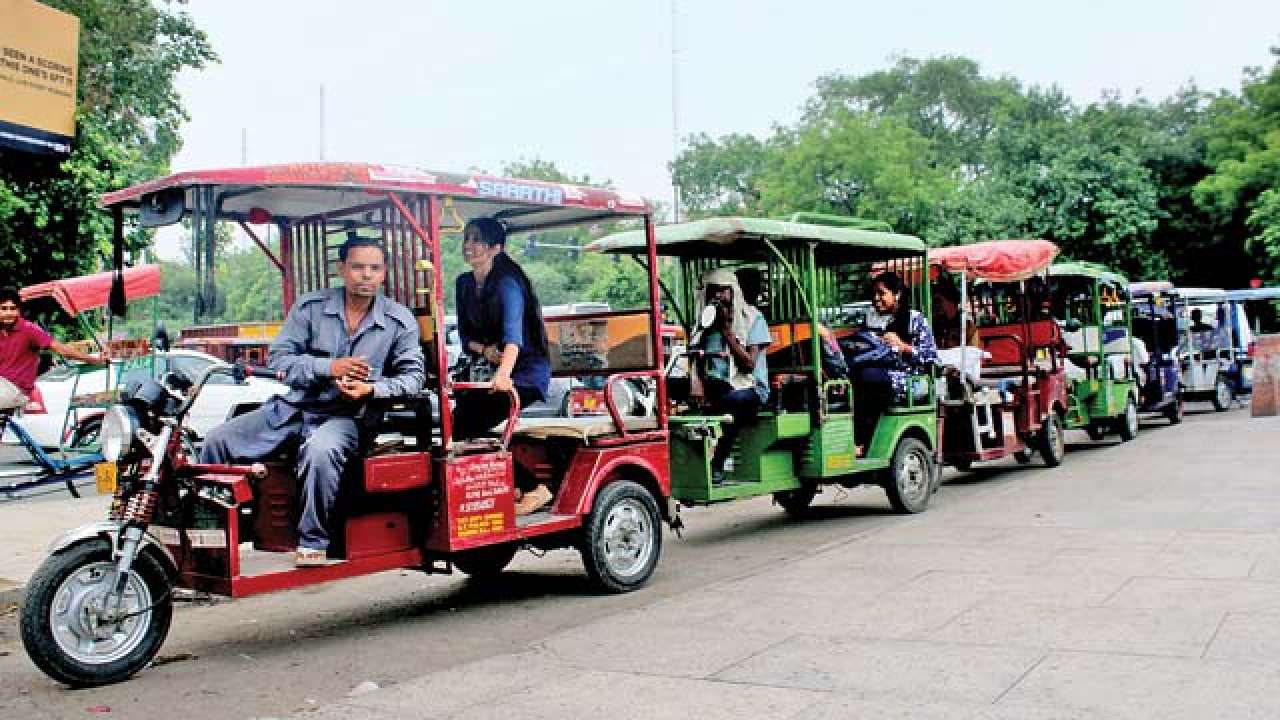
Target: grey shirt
{"x":315,"y":334}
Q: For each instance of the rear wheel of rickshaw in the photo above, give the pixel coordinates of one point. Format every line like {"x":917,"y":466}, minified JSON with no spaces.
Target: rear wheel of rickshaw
{"x":1051,"y":442}
{"x":910,"y":481}
{"x":65,"y":625}
{"x":796,"y":502}
{"x":1127,"y":425}
{"x":1176,"y":410}
{"x":484,"y":562}
{"x":1222,"y":394}
{"x":622,"y":540}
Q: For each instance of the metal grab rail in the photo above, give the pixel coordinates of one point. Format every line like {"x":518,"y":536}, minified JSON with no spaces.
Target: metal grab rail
{"x":608,"y":395}
{"x":513,"y":412}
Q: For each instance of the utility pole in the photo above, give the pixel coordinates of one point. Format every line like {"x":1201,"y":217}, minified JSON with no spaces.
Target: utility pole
{"x":244,"y":146}
{"x":675,"y":107}
{"x":322,"y":122}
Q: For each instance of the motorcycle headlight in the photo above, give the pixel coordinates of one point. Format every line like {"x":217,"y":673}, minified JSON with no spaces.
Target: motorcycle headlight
{"x":118,"y":428}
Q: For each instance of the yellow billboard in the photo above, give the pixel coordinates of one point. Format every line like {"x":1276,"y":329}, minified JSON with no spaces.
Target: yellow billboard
{"x":39,"y":47}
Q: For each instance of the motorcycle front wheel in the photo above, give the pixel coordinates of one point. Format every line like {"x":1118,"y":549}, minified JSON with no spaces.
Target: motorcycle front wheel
{"x":65,"y":621}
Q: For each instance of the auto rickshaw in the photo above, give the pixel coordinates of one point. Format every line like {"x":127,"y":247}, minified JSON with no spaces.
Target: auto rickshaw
{"x":1155,"y":322}
{"x":99,"y":607}
{"x":1092,"y":303}
{"x":803,"y":439}
{"x":1212,"y":371}
{"x":1007,"y":395}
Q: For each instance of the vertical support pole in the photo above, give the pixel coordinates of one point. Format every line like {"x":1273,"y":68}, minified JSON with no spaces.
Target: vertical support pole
{"x":655,"y":318}
{"x":437,"y":317}
{"x":287,"y":270}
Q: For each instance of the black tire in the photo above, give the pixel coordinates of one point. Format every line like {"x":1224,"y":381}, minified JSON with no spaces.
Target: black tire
{"x":1024,"y":457}
{"x":1223,"y":395}
{"x":625,"y":520}
{"x":86,"y":433}
{"x":909,"y":484}
{"x":1127,"y":425}
{"x":485,"y":562}
{"x":797,"y":503}
{"x":1051,"y":441}
{"x":47,"y":586}
{"x":1095,"y":431}
{"x":963,"y":464}
{"x":1176,"y":411}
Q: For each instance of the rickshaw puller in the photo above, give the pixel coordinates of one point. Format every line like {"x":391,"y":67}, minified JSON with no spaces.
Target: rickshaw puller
{"x":21,"y":342}
{"x":338,"y":348}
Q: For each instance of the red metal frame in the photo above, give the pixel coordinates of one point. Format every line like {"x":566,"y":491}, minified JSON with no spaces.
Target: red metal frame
{"x":411,"y":232}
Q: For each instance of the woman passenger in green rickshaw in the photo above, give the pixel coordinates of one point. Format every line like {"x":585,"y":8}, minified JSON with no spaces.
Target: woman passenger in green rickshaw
{"x":911,"y":350}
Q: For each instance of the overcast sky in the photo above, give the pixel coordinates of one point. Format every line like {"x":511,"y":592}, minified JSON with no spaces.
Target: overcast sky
{"x":456,"y":84}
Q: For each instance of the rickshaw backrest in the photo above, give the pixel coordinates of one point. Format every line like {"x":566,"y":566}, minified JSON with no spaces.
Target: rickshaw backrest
{"x":604,"y":342}
{"x":1043,"y":334}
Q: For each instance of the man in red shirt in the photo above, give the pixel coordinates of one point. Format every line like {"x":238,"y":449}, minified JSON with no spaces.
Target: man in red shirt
{"x":21,"y":343}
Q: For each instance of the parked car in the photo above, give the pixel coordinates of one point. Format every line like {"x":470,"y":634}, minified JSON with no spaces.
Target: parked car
{"x":221,"y":399}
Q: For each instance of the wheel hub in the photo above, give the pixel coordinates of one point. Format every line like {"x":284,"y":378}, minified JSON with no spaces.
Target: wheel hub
{"x":80,"y":620}
{"x":915,"y":477}
{"x":627,"y":541}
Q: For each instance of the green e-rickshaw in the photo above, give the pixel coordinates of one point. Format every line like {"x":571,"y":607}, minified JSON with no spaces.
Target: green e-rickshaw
{"x":813,"y":276}
{"x":1094,"y":307}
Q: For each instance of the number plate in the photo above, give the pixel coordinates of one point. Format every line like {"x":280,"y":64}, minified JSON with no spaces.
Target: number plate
{"x":104,"y":476}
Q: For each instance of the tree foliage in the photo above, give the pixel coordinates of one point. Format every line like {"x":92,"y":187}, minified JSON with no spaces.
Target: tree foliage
{"x":128,"y":116}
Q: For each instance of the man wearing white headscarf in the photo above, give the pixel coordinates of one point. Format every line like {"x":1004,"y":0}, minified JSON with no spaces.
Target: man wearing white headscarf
{"x":733,"y":377}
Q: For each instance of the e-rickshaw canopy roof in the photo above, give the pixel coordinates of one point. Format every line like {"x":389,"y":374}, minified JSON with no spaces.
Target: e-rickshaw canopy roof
{"x":308,"y":190}
{"x":1150,"y":288}
{"x":743,"y":238}
{"x":1203,"y":295}
{"x":78,"y":294}
{"x":1254,"y":294}
{"x":996,"y":260}
{"x":1087,"y":270}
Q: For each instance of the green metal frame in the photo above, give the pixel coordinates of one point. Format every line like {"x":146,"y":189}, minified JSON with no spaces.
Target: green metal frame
{"x":1099,"y":399}
{"x":806,"y":261}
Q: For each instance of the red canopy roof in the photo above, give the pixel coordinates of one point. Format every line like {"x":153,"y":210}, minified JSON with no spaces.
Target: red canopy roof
{"x":997,"y":260}
{"x":87,"y":292}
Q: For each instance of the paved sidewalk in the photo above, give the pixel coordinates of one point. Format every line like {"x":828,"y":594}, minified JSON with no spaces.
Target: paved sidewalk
{"x":1138,"y":581}
{"x":28,"y":525}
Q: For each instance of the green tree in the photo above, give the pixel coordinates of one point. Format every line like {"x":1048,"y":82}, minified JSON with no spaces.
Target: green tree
{"x":128,"y":116}
{"x":721,"y":177}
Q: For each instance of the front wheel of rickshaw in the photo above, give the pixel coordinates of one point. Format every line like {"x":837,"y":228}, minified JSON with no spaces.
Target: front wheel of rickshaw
{"x":69,"y":630}
{"x":1127,"y":426}
{"x":796,"y":502}
{"x":1222,"y":394}
{"x":1051,"y":442}
{"x":910,"y":482}
{"x":622,"y":540}
{"x":485,"y":562}
{"x":1175,"y":411}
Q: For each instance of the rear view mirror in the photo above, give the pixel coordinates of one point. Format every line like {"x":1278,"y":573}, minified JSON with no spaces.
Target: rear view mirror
{"x":165,"y":207}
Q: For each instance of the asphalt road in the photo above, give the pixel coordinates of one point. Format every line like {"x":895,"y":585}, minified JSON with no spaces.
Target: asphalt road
{"x":275,"y":655}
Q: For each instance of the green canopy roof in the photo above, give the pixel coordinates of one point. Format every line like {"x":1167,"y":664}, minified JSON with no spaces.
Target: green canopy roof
{"x":743,"y":238}
{"x":1089,"y":270}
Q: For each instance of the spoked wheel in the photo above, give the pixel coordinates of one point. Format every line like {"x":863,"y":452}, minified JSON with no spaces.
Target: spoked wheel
{"x":1176,"y":411}
{"x":796,"y":502}
{"x":622,"y":541}
{"x":71,"y":632}
{"x":911,"y":477}
{"x":1127,"y":426}
{"x":1223,"y":395}
{"x":485,"y":562}
{"x":1051,"y":441}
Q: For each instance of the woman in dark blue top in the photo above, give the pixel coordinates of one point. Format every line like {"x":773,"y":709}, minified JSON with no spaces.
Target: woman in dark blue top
{"x":500,"y":318}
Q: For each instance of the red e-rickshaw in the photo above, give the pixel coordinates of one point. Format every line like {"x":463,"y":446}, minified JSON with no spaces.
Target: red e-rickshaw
{"x":1008,"y":395}
{"x":100,"y":606}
